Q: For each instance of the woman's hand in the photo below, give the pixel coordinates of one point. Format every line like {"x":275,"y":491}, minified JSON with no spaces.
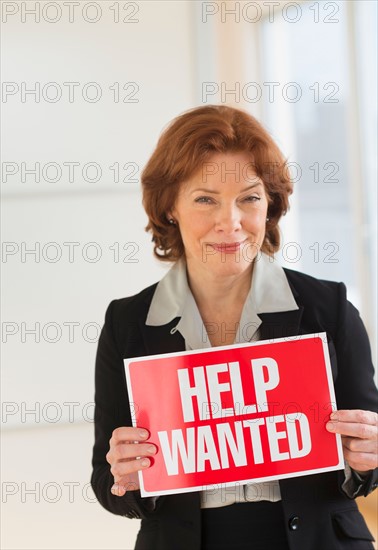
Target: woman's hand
{"x":126,"y":444}
{"x":359,"y":432}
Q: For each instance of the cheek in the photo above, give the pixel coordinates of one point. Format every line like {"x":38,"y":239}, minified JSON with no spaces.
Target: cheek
{"x":189,"y":229}
{"x":257,"y":222}
{"x":193,"y":229}
{"x":198,"y":224}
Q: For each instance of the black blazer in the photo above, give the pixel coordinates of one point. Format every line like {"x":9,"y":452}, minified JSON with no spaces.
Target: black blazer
{"x":318,"y":515}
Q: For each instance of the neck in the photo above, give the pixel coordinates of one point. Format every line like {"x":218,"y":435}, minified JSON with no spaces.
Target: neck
{"x":218,"y":294}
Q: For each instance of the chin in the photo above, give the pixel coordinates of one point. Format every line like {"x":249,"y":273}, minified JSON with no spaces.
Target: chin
{"x":229,"y":266}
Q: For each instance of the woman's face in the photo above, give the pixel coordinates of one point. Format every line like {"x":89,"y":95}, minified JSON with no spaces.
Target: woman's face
{"x":221,"y":213}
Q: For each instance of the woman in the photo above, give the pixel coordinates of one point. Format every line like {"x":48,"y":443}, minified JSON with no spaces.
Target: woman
{"x":214,"y":191}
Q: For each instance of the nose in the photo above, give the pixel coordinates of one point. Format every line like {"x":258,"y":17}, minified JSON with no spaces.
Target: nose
{"x":228,"y":219}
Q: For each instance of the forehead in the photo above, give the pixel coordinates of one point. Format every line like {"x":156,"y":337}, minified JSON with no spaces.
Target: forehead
{"x":236,"y":167}
{"x":231,"y":157}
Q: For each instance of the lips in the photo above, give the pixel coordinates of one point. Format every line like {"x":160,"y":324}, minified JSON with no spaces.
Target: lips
{"x":227,"y":248}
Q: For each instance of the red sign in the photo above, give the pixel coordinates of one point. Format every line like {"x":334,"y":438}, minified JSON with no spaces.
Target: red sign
{"x":240,"y":413}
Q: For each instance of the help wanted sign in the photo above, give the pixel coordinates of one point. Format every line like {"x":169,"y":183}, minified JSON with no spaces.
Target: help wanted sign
{"x":242,"y":413}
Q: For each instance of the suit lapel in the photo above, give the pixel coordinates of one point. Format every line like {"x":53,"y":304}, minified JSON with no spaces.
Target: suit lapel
{"x":280,"y":324}
{"x":163,"y":339}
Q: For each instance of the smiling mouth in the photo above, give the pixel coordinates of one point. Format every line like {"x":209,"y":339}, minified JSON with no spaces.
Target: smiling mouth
{"x":227,"y":248}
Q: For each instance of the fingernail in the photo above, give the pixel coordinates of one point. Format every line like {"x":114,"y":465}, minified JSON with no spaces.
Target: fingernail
{"x":151,"y":449}
{"x":143,"y":433}
{"x":145,"y":462}
{"x":330,"y":426}
{"x":333,"y":416}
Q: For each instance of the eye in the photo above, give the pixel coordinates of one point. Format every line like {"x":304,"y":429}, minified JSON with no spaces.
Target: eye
{"x":204,"y":200}
{"x":252,"y":198}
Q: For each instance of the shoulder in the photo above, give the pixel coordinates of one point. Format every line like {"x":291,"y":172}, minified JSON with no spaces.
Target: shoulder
{"x":124,"y":318}
{"x":131,"y":308}
{"x":309,"y":289}
{"x":322,"y":300}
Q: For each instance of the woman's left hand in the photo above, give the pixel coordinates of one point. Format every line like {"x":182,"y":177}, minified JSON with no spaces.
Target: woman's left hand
{"x":359,"y":432}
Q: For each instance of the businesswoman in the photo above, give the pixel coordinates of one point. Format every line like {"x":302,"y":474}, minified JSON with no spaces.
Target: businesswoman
{"x":214,"y":191}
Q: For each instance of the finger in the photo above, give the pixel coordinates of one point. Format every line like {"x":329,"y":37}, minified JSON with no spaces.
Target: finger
{"x":359,"y":445}
{"x":125,"y":469}
{"x":355,"y":415}
{"x":127,"y":433}
{"x":126,"y":477}
{"x":121,"y":488}
{"x":124,"y":451}
{"x":125,"y":484}
{"x":353,"y":429}
{"x":361,"y":461}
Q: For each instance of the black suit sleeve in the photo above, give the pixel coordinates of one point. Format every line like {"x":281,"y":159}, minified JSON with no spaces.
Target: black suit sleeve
{"x":355,"y":387}
{"x":111,"y":411}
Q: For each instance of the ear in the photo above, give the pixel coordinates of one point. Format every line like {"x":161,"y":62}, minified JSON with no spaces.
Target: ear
{"x":171,"y":214}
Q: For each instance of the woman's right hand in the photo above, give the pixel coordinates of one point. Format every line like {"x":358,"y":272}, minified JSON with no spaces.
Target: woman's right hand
{"x":126,"y":444}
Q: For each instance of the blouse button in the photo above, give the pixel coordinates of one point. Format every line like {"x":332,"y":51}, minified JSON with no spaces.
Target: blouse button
{"x":294,"y":523}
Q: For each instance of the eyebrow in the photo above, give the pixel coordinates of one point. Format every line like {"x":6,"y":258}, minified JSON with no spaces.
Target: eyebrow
{"x":258,"y":184}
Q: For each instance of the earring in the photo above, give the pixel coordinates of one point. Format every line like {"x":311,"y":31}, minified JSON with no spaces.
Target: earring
{"x":267,"y":219}
{"x":172,"y":221}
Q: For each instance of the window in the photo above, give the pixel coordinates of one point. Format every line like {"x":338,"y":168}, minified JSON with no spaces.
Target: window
{"x":320,"y":105}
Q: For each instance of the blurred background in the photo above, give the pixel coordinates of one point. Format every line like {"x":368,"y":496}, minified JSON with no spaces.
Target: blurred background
{"x":87,"y":87}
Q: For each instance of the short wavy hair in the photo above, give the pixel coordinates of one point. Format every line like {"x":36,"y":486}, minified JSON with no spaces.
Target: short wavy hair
{"x":188,"y":142}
